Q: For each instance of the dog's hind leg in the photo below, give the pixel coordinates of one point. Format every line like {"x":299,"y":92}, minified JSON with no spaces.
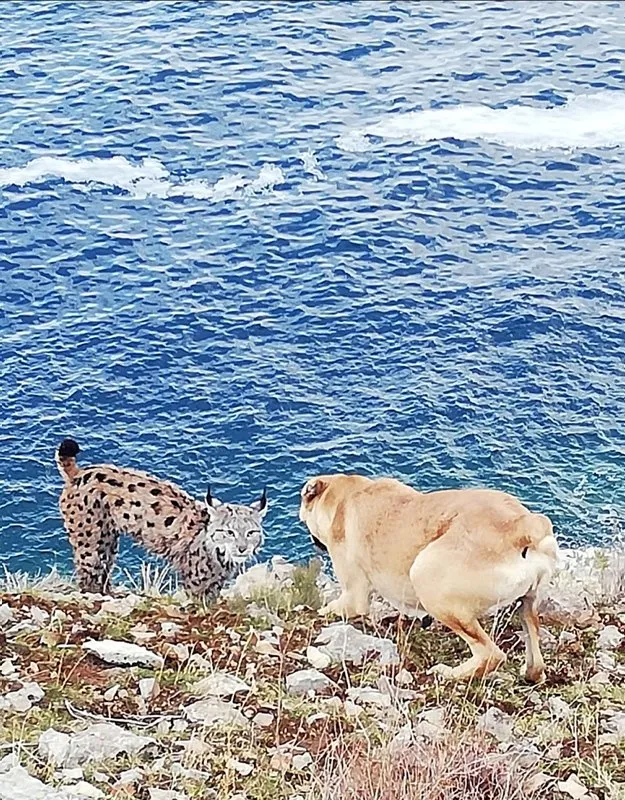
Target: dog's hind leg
{"x":534,"y":663}
{"x":486,"y":656}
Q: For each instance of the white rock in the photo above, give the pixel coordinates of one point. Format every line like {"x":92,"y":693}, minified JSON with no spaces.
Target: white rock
{"x":8,"y":668}
{"x":130,"y":777}
{"x":53,"y":745}
{"x":573,"y":787}
{"x":497,"y":723}
{"x":430,"y":724}
{"x":369,"y":696}
{"x":111,"y":693}
{"x":120,"y":607}
{"x":220,"y":684}
{"x":84,"y":789}
{"x":123,"y":653}
{"x":404,"y":678}
{"x":599,"y":679}
{"x":606,"y":661}
{"x":301,"y":761}
{"x":559,"y":708}
{"x":39,"y":616}
{"x":402,"y":739}
{"x":263,"y":719}
{"x":352,"y":711}
{"x":7,"y":614}
{"x":170,"y":628}
{"x":610,"y":638}
{"x":17,"y":784}
{"x":166,"y":794}
{"x":8,"y":762}
{"x":241,"y":767}
{"x":566,"y":637}
{"x":317,"y":659}
{"x":344,"y":643}
{"x":214,"y":712}
{"x":247,"y":583}
{"x":180,"y":725}
{"x":307,"y":680}
{"x":22,"y":700}
{"x":148,"y":688}
{"x":100,"y":741}
{"x":615,"y":725}
{"x":266,"y":649}
{"x":76,"y":774}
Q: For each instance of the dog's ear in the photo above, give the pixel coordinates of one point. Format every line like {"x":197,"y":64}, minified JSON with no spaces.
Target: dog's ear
{"x":313,"y":489}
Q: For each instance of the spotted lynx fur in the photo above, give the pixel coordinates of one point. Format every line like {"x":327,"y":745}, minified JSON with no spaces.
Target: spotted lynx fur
{"x":205,"y":543}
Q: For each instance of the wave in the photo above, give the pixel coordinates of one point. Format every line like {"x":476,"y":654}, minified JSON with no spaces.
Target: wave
{"x":586,"y":121}
{"x":148,"y":178}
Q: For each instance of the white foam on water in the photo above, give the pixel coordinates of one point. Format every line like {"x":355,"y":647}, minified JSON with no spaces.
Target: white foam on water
{"x":586,"y":121}
{"x":148,"y":178}
{"x":311,"y":165}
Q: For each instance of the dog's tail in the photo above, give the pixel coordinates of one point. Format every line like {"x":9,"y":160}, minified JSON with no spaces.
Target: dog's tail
{"x":536,"y":534}
{"x":66,"y":459}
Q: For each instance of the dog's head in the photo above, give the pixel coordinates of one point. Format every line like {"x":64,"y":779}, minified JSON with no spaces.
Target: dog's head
{"x":310,"y":509}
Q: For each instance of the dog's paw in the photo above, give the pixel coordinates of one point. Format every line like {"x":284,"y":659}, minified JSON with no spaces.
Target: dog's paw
{"x":328,"y":609}
{"x":443,"y":671}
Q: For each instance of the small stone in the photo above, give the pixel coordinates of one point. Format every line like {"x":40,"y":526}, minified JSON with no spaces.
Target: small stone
{"x":39,"y":616}
{"x":497,"y":723}
{"x":166,"y":794}
{"x":599,"y":679}
{"x":110,"y":694}
{"x":101,"y":777}
{"x":369,"y":696}
{"x":615,"y":725}
{"x":352,"y":711}
{"x":8,"y":762}
{"x":121,"y":607}
{"x":566,"y":637}
{"x":241,"y":767}
{"x":22,"y":700}
{"x":263,"y":719}
{"x":281,"y":761}
{"x":7,"y":614}
{"x":180,"y":725}
{"x":547,"y":639}
{"x":122,"y":653}
{"x":180,"y":652}
{"x":17,"y":784}
{"x":84,"y":789}
{"x":129,"y":777}
{"x":610,"y":638}
{"x":606,"y":661}
{"x":404,"y":678}
{"x":148,"y":688}
{"x":220,"y":684}
{"x":402,"y":739}
{"x":307,"y":680}
{"x":266,"y":649}
{"x":170,"y":628}
{"x":8,"y":668}
{"x":214,"y":712}
{"x":163,"y":727}
{"x":430,"y":724}
{"x":142,"y":634}
{"x":301,"y":761}
{"x":75,"y":774}
{"x":559,"y":708}
{"x":573,"y":787}
{"x":317,"y":659}
{"x":101,"y":741}
{"x":53,"y":745}
{"x":344,"y":643}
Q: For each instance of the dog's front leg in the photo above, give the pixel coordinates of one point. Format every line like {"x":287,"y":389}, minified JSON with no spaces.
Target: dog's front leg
{"x":353,"y":600}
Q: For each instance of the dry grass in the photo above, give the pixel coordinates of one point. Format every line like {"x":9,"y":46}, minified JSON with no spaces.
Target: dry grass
{"x":461,"y":766}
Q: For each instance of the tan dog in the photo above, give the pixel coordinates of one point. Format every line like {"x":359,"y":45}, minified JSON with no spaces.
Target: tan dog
{"x":458,"y":554}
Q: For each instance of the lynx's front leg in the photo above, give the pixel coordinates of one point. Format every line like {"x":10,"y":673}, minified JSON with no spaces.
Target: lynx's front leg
{"x":356,"y":590}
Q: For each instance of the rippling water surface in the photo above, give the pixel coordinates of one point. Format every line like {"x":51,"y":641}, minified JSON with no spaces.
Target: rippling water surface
{"x":248,"y":242}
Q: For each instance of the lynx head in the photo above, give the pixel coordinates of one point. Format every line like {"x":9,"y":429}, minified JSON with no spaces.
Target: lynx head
{"x":236,"y":529}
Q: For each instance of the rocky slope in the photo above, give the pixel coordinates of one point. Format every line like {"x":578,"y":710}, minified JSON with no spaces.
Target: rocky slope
{"x":154,"y":697}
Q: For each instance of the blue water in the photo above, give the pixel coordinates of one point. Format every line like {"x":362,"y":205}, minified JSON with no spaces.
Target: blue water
{"x":250,"y":242}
